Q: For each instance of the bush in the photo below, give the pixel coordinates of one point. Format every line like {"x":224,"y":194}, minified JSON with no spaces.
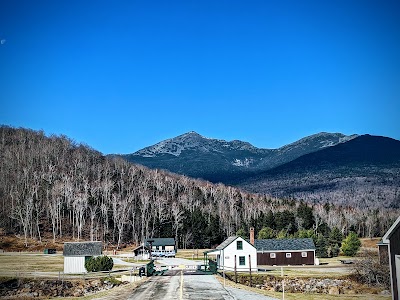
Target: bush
{"x":99,"y":263}
{"x":370,"y":271}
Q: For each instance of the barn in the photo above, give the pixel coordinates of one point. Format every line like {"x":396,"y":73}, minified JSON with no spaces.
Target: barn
{"x":392,"y":240}
{"x":235,"y":253}
{"x":283,"y":252}
{"x":75,"y":254}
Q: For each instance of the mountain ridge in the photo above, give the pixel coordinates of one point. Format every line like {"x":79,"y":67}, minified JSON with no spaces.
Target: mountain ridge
{"x":223,"y":161}
{"x":361,"y":170}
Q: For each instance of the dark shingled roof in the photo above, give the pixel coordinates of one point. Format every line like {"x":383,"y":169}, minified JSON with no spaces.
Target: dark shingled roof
{"x":83,"y":249}
{"x":226,"y":242}
{"x":284,"y":244}
{"x":162,"y":241}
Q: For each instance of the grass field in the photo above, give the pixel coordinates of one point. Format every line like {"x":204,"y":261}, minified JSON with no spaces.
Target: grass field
{"x":29,"y":262}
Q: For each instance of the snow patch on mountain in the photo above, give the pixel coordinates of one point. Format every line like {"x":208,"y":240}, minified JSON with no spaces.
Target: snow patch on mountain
{"x":242,"y":162}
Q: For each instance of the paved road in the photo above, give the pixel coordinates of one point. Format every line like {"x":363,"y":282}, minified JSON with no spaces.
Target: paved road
{"x":189,"y":285}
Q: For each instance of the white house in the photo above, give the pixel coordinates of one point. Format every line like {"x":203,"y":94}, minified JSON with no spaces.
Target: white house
{"x":235,"y":253}
{"x":76,"y":253}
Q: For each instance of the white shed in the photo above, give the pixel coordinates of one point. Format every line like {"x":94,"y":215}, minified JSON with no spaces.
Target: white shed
{"x":235,"y":253}
{"x":76,"y":253}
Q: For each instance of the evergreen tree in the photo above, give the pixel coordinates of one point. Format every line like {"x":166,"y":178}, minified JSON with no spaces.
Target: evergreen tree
{"x":335,"y":237}
{"x":242,"y":233}
{"x":286,"y":220}
{"x":321,"y":247}
{"x":269,"y":220}
{"x":335,"y":249}
{"x":303,"y":233}
{"x":305,"y":213}
{"x":266,"y":233}
{"x":351,"y":244}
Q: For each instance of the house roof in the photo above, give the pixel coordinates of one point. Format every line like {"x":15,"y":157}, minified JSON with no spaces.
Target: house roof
{"x":82,"y":249}
{"x":225,"y":243}
{"x":284,"y":244}
{"x":391,"y":230}
{"x":161,"y":241}
{"x":140,"y":247}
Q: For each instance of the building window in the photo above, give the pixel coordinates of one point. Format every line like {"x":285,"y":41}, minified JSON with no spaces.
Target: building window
{"x":272,"y":255}
{"x":242,"y":260}
{"x":239,"y":245}
{"x":288,"y":255}
{"x":303,"y":254}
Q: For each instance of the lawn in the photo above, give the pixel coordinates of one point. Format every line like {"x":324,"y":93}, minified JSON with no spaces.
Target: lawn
{"x":22,"y":262}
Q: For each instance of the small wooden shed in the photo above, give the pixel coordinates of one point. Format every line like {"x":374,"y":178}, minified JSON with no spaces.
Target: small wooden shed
{"x":75,"y":254}
{"x":392,"y":240}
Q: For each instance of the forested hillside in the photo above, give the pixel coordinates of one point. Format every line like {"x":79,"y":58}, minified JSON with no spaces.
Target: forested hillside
{"x":363,"y":172}
{"x":52,"y":186}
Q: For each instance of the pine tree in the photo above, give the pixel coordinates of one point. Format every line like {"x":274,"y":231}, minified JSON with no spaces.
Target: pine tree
{"x":321,"y":247}
{"x":335,"y":237}
{"x":351,"y":244}
{"x":242,"y":233}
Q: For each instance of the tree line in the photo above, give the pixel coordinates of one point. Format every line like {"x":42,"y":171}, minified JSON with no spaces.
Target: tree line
{"x":50,"y":185}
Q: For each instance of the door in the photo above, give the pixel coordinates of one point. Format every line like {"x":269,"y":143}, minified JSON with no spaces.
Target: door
{"x":397,"y":260}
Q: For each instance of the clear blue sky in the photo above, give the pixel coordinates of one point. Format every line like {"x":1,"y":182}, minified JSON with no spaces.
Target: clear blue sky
{"x":122,"y":75}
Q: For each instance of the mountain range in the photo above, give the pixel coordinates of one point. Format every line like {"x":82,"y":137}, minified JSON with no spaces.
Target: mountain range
{"x":228,"y":162}
{"x":332,"y":167}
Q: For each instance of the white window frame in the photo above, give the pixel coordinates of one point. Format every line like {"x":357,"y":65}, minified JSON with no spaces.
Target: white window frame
{"x":272,"y":255}
{"x":288,"y":255}
{"x":304,"y":254}
{"x":244,"y":260}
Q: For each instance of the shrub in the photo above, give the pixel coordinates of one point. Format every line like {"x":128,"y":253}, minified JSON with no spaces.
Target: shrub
{"x":370,"y":271}
{"x":99,"y":263}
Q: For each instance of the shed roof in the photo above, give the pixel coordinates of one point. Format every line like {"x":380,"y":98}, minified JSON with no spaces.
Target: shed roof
{"x":82,"y":248}
{"x":284,"y":244}
{"x":161,"y":241}
{"x":391,"y":230}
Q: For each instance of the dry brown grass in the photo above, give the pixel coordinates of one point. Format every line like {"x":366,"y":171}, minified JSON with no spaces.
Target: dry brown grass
{"x":20,"y":262}
{"x":370,"y":243}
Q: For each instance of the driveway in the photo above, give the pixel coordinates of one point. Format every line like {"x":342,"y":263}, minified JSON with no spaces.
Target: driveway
{"x":189,"y":285}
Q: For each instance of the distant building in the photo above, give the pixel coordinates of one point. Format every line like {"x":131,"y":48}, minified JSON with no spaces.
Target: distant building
{"x":392,"y":240}
{"x":76,"y":253}
{"x":167,"y":244}
{"x":235,"y":253}
{"x":141,"y":252}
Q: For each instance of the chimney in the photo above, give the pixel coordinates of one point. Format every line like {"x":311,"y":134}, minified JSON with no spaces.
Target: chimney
{"x":252,"y":235}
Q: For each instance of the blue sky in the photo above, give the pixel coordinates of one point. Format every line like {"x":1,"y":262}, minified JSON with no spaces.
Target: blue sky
{"x":122,"y":75}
